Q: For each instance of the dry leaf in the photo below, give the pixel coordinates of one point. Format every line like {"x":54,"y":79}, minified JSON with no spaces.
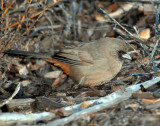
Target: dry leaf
{"x":145,"y":34}
{"x":53,"y":74}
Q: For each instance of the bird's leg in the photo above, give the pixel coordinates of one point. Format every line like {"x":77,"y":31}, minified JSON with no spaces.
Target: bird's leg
{"x":81,"y":83}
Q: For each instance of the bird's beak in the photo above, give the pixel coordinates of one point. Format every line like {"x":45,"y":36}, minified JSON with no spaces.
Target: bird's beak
{"x":127,"y":56}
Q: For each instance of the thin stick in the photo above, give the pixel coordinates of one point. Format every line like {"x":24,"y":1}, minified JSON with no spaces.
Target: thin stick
{"x":12,"y":96}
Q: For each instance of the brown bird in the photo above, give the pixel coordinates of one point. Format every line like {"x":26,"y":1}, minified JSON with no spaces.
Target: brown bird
{"x":89,"y":64}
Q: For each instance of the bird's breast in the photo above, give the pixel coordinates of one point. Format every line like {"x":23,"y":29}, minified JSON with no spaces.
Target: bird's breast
{"x":96,"y":74}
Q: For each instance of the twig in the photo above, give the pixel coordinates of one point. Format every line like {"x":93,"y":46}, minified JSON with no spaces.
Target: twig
{"x":68,"y":18}
{"x":74,"y":10}
{"x":122,"y":27}
{"x":157,"y":20}
{"x":157,"y":37}
{"x":45,"y":28}
{"x":12,"y":96}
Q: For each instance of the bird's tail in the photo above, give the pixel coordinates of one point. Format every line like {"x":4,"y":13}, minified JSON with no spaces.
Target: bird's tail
{"x":27,"y":53}
{"x":45,"y":56}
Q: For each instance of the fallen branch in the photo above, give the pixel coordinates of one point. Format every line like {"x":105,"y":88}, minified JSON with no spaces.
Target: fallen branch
{"x":25,"y":119}
{"x":103,"y":103}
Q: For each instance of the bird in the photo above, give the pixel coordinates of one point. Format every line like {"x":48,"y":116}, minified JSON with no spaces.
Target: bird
{"x":90,"y":63}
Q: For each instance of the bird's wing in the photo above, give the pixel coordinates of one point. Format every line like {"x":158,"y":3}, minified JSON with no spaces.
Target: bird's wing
{"x":83,"y":54}
{"x":74,"y":57}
